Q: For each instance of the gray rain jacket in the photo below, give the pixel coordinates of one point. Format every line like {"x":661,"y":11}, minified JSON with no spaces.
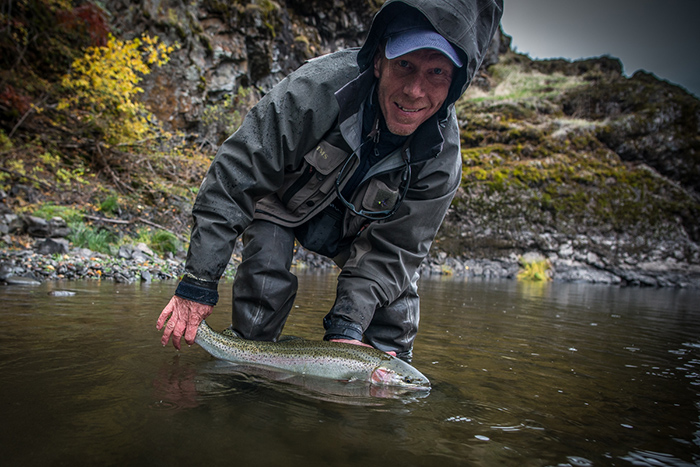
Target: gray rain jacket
{"x":283,"y":162}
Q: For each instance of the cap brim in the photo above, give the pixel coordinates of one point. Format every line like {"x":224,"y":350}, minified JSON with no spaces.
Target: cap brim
{"x":416,"y":39}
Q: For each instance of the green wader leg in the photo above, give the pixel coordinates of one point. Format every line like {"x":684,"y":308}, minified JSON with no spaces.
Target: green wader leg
{"x":264,"y":289}
{"x":394,"y":327}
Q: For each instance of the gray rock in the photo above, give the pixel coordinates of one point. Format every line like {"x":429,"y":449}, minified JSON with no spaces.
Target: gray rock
{"x":37,"y":227}
{"x":83,"y":252}
{"x":142,"y":247}
{"x":125,"y":252}
{"x":16,"y":223}
{"x":146,"y":276}
{"x":58,"y":227}
{"x":6,"y":271}
{"x":140,"y":257}
{"x":574,"y":271}
{"x":52,"y":246}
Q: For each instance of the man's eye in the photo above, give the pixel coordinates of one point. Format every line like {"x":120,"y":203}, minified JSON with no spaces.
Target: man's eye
{"x":403,"y":63}
{"x":438,"y":71}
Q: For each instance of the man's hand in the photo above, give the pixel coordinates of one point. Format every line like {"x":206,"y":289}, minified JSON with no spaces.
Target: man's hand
{"x":183,"y":318}
{"x":356,"y":342}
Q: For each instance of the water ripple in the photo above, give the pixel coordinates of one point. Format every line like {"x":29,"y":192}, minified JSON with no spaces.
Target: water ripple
{"x":655,"y":459}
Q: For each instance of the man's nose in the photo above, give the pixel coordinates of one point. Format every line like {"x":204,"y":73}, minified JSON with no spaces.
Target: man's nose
{"x":414,"y":86}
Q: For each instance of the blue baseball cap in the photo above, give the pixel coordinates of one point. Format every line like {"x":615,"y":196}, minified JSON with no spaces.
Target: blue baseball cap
{"x":410,"y":40}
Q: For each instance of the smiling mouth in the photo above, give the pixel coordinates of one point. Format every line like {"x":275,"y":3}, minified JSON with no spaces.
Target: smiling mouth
{"x":404,"y":109}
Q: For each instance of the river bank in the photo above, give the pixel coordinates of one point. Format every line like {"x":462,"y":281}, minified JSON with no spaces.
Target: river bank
{"x":25,"y":261}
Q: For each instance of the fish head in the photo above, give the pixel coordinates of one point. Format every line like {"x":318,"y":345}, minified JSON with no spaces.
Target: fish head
{"x":395,"y":372}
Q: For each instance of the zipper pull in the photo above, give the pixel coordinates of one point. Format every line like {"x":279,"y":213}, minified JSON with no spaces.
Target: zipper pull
{"x":374,"y":134}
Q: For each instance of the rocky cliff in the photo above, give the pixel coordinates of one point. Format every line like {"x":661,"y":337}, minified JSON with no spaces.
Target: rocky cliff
{"x":573,"y":162}
{"x":226,"y":46}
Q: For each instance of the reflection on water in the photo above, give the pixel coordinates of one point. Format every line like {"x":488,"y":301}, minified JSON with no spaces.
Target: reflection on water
{"x":183,"y":387}
{"x":522,"y":374}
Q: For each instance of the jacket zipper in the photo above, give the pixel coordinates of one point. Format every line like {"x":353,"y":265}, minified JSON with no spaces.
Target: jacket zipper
{"x":298,"y":185}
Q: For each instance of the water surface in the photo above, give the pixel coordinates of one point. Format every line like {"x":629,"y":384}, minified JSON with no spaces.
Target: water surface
{"x":522,"y":374}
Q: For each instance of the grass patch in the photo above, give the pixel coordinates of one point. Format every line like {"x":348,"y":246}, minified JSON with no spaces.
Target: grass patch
{"x":69,"y":214}
{"x":110,"y":205}
{"x":160,"y":241}
{"x":513,"y":82}
{"x":98,"y":239}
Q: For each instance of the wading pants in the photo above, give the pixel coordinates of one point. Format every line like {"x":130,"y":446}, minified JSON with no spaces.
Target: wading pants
{"x":264,"y":290}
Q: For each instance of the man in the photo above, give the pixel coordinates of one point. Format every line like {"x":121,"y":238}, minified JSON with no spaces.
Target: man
{"x":356,"y":155}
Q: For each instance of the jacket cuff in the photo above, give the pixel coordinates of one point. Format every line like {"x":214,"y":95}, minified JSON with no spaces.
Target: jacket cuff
{"x":197,"y":290}
{"x":341,"y":329}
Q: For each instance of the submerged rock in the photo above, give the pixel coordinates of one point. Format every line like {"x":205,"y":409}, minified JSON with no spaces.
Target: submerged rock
{"x":22,"y":280}
{"x":62,"y":293}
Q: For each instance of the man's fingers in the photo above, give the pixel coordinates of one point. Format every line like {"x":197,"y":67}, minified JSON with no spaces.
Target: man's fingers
{"x":192,"y":327}
{"x":196,"y":315}
{"x":356,"y":342}
{"x":176,"y":340}
{"x":178,"y":331}
{"x":164,"y":316}
{"x":351,"y":341}
{"x":167,"y":332}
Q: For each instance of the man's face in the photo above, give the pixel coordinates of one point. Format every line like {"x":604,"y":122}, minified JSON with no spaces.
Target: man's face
{"x":412,"y":87}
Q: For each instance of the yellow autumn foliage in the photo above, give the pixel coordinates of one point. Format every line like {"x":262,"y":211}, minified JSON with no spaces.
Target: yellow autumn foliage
{"x":103,"y":85}
{"x":535,"y":270}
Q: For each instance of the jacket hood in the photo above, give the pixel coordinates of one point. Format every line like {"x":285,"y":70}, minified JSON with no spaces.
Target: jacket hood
{"x":468,"y":24}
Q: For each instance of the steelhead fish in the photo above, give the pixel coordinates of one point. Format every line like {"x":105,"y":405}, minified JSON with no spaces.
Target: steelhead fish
{"x":333,"y":360}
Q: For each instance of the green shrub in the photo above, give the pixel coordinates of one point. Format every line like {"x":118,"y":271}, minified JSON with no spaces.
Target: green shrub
{"x":160,"y":241}
{"x":163,"y":241}
{"x":5,"y":141}
{"x":97,"y":239}
{"x":110,"y":205}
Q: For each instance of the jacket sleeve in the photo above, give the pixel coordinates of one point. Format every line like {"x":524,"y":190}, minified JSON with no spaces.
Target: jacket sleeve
{"x":387,"y":253}
{"x":274,"y":136}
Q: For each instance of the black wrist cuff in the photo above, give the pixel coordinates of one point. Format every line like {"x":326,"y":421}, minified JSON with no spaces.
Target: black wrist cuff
{"x":198,"y":291}
{"x":342,"y":330}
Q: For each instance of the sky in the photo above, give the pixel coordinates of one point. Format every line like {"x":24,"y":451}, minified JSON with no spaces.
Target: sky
{"x":658,"y":36}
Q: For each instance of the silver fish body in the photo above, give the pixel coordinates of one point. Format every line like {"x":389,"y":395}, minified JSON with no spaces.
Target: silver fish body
{"x":334,"y":360}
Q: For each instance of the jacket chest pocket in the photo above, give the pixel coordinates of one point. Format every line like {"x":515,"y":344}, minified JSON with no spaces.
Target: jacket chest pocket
{"x":379,"y":196}
{"x":316,"y":178}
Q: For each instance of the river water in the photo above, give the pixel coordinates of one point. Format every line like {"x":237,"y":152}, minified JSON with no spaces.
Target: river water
{"x":522,"y":374}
